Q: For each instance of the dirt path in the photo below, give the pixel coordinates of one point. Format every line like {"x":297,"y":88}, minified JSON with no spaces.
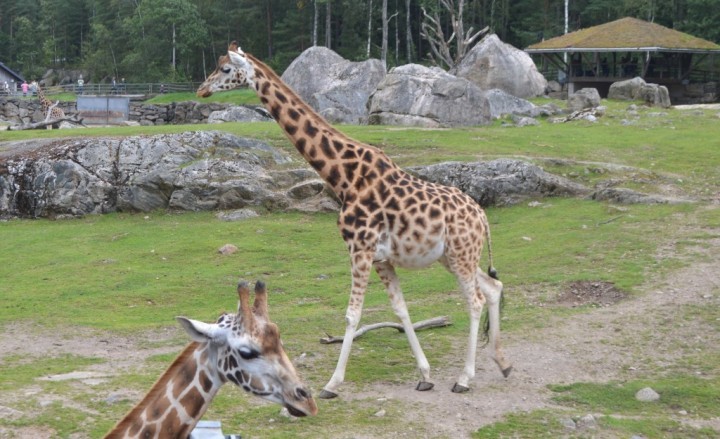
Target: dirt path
{"x":636,"y":337}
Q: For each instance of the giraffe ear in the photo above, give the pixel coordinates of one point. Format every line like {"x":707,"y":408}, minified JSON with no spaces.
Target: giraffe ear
{"x":199,"y":331}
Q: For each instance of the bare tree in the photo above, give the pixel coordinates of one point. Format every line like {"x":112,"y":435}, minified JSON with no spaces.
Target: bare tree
{"x":385,"y":22}
{"x":328,"y":23}
{"x":441,"y":50}
{"x":408,"y":32}
{"x":315,"y":23}
{"x":369,"y":39}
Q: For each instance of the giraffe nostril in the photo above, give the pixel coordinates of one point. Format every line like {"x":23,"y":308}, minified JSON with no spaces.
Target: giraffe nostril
{"x":302,"y":393}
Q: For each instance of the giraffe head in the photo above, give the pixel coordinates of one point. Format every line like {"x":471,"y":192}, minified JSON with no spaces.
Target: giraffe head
{"x":248,"y":352}
{"x":233,"y":71}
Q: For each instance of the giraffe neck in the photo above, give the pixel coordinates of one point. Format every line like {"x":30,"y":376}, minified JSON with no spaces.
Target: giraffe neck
{"x":344,"y":163}
{"x":43,"y":100}
{"x":178,"y":399}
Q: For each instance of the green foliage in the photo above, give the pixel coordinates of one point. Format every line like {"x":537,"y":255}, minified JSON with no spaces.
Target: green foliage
{"x":133,"y":39}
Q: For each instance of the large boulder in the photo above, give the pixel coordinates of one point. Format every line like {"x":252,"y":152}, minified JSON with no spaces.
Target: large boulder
{"x":655,"y":95}
{"x":628,"y":90}
{"x":188,"y":171}
{"x":335,"y":87}
{"x":494,"y":64}
{"x":583,"y":99}
{"x":415,"y":95}
{"x":501,"y":103}
{"x":501,"y":181}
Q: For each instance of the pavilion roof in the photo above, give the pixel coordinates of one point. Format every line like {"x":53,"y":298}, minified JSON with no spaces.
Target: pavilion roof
{"x":625,"y":35}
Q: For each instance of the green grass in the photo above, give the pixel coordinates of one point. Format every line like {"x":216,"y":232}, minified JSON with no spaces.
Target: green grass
{"x":618,"y":413}
{"x":238,"y":97}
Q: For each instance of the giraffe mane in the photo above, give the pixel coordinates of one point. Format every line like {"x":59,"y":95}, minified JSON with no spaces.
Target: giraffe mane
{"x":156,"y":392}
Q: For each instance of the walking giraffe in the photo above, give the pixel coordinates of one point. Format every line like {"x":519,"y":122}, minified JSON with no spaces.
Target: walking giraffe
{"x":388,"y":217}
{"x":242,"y":348}
{"x":50,"y":110}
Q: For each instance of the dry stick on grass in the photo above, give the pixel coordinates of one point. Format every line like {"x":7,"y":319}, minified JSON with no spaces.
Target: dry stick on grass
{"x":436,"y":322}
{"x":38,"y":125}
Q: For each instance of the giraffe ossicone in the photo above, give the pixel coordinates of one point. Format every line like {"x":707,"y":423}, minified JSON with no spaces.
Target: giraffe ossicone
{"x":242,"y":348}
{"x":388,"y":217}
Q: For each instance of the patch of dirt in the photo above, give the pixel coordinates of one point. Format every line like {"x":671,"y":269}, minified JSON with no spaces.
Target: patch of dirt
{"x":597,"y":293}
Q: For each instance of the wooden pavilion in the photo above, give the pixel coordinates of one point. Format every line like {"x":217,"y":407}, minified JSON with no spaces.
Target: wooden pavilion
{"x":622,"y":49}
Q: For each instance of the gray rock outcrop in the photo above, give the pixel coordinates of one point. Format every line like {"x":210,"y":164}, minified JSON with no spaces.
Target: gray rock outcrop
{"x":495,"y":64}
{"x":500,"y":182}
{"x":415,"y":95}
{"x":238,"y":113}
{"x":336,"y":88}
{"x":189,"y":171}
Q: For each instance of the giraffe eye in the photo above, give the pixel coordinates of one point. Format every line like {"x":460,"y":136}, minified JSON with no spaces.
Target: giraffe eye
{"x":225,"y":69}
{"x":248,"y":354}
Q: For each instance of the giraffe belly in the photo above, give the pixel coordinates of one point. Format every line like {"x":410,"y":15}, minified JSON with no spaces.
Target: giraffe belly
{"x":417,"y":255}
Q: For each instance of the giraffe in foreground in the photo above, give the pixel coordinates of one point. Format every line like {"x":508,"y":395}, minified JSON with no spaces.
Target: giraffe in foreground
{"x":243,"y":348}
{"x":50,"y":110}
{"x":388,"y":217}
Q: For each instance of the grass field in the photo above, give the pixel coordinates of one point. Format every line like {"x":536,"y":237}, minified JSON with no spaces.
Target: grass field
{"x":123,"y":278}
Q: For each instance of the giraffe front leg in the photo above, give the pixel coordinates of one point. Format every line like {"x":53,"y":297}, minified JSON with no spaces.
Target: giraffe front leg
{"x":390,"y":279}
{"x":361,"y":263}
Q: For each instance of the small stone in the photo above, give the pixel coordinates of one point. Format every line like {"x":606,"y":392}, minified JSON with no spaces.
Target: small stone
{"x":237,"y":215}
{"x":683,"y":412}
{"x":380,"y":413}
{"x":227,"y":249}
{"x":647,"y":395}
{"x":587,"y":421}
{"x":568,"y":423}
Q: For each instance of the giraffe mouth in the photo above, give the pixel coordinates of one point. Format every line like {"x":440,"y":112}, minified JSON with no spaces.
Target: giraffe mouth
{"x":204,"y":92}
{"x":295,"y":412}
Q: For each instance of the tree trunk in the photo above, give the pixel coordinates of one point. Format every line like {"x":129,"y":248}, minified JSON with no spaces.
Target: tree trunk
{"x":369,"y":38}
{"x":269,"y":28}
{"x":328,"y":23}
{"x":383,"y":52}
{"x":397,"y":34}
{"x":315,"y":24}
{"x":408,"y":32}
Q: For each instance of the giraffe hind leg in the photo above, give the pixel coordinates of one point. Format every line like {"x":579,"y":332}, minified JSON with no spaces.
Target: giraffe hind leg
{"x":493,"y":291}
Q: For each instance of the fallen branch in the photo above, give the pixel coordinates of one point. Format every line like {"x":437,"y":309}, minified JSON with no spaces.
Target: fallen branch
{"x":436,"y":322}
{"x":43,"y":124}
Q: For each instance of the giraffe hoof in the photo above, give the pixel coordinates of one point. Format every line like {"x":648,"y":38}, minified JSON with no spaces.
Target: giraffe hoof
{"x":326,"y":394}
{"x":457,"y":388}
{"x":424,"y":386}
{"x":506,"y":371}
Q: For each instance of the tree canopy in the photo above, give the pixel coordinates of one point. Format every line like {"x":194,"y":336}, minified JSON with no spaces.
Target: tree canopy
{"x":177,"y":40}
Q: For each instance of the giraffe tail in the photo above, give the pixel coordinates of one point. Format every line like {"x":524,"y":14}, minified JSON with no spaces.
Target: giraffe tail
{"x":492,"y":272}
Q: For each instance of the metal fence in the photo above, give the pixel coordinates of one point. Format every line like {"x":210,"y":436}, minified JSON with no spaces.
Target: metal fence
{"x":103,"y":110}
{"x":149,"y":88}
